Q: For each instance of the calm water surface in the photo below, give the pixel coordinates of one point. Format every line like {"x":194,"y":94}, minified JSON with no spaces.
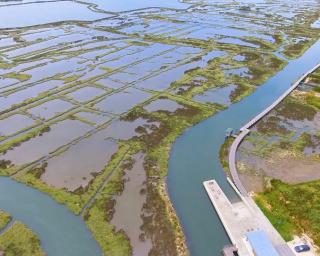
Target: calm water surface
{"x":22,"y":15}
{"x":60,"y":231}
{"x":126,"y":5}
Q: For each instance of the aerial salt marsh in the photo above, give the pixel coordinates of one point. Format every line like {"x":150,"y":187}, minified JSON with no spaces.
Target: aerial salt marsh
{"x":124,"y":82}
{"x":33,"y":210}
{"x":23,"y":94}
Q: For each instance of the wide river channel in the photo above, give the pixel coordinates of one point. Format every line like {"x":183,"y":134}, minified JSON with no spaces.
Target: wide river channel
{"x":194,"y":158}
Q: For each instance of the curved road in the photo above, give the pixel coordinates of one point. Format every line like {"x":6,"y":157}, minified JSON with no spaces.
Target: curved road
{"x":245,"y":130}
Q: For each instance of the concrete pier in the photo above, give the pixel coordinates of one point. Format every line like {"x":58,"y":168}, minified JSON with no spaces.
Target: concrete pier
{"x":242,"y":217}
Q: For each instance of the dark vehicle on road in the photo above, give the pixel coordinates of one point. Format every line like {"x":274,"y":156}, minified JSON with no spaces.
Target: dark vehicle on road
{"x":302,"y":248}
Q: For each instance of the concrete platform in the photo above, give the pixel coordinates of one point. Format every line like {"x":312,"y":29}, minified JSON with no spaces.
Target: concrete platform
{"x":242,"y":217}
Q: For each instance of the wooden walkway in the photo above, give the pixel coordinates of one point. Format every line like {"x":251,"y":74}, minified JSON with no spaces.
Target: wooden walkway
{"x":245,"y":130}
{"x":281,"y":98}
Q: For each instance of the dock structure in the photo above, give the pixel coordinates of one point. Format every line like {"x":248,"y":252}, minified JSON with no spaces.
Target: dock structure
{"x":242,"y":218}
{"x":228,"y":250}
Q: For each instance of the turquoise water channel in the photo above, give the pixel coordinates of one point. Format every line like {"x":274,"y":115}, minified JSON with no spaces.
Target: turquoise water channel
{"x":195,"y":158}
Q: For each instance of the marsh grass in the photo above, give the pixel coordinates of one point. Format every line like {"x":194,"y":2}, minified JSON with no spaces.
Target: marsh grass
{"x":293,"y":209}
{"x":20,"y":240}
{"x":5,"y":218}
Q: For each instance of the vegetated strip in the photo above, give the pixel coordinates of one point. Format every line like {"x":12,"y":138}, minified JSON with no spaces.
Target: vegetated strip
{"x":103,"y":183}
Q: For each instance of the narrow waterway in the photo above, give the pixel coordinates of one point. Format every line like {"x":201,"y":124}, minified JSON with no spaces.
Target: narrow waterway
{"x":60,"y":231}
{"x":195,"y":158}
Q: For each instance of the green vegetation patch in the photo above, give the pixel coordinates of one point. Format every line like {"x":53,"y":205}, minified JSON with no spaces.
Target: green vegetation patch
{"x":315,"y":77}
{"x":224,"y":153}
{"x":5,"y":218}
{"x":271,"y":125}
{"x":293,"y":109}
{"x":293,"y":209}
{"x":20,"y":240}
{"x":294,"y":50}
{"x":19,"y":76}
{"x":313,"y":100}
